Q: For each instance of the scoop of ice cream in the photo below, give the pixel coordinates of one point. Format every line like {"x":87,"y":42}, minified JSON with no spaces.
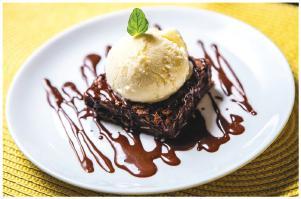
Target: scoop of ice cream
{"x":150,"y":67}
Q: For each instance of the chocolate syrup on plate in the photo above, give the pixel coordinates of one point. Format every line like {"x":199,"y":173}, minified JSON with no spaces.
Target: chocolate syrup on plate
{"x":129,"y":153}
{"x":226,"y":84}
{"x":130,"y":157}
{"x":196,"y":133}
{"x":90,"y":64}
{"x":56,"y":100}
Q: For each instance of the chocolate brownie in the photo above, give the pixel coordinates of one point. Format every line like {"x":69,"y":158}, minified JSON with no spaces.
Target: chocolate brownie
{"x":165,"y":118}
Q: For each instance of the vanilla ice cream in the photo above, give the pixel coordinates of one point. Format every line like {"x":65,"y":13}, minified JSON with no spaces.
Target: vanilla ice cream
{"x":150,"y":67}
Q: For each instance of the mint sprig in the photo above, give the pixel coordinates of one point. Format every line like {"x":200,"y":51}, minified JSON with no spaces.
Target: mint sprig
{"x":137,"y":23}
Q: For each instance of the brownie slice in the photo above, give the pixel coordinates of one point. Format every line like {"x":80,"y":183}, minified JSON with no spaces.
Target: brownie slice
{"x":165,"y":118}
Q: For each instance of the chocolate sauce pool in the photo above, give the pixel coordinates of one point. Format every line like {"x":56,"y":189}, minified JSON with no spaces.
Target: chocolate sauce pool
{"x":129,"y":153}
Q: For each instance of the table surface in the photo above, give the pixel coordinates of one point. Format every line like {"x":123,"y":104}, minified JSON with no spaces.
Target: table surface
{"x":28,"y":26}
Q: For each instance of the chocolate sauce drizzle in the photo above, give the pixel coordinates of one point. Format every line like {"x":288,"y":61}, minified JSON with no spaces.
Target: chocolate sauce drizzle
{"x":196,"y":133}
{"x":56,"y":101}
{"x":90,"y":64}
{"x":129,"y":153}
{"x":226,"y":84}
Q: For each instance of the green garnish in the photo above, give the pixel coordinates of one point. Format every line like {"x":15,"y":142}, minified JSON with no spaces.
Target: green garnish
{"x":137,"y":24}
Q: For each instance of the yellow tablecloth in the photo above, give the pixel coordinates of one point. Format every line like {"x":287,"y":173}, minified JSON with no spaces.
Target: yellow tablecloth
{"x":27,"y":26}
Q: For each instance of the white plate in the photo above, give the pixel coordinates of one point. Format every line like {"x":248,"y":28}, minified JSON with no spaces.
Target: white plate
{"x":258,"y":63}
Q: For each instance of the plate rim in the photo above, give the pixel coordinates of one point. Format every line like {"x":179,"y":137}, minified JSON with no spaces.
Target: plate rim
{"x":101,"y":17}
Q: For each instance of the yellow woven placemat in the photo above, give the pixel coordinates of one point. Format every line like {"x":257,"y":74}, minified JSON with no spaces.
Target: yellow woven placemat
{"x":275,"y":172}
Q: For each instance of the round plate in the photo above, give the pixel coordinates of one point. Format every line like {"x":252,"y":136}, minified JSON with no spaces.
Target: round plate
{"x":259,"y":64}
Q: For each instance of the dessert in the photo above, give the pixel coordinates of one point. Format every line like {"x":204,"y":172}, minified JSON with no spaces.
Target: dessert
{"x":146,"y":104}
{"x":150,"y":84}
{"x":165,"y":118}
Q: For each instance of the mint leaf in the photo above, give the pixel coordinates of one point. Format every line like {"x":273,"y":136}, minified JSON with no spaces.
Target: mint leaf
{"x":137,"y":23}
